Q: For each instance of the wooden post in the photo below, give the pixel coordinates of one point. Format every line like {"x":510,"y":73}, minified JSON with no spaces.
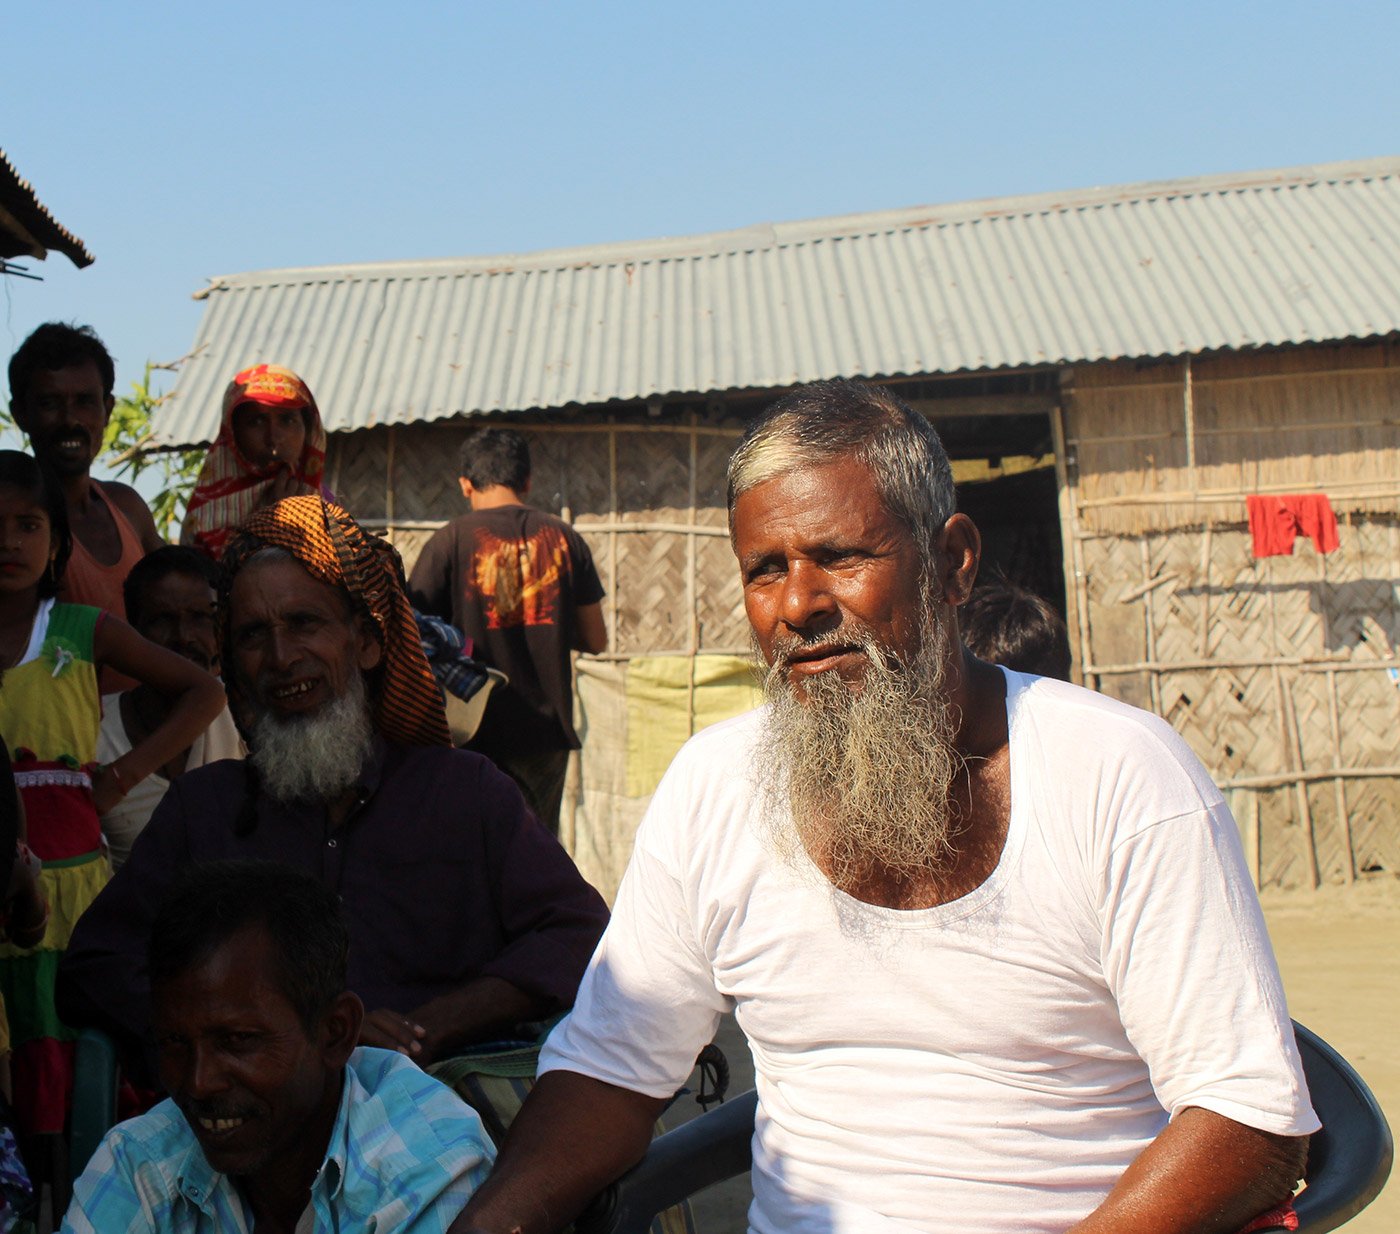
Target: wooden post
{"x":1071,"y":550}
{"x":1207,"y":544}
{"x":1339,"y":785}
{"x":1301,"y":786}
{"x":612,"y":533}
{"x":692,"y":582}
{"x":389,"y":484}
{"x":1154,"y":677}
{"x":1255,"y":848}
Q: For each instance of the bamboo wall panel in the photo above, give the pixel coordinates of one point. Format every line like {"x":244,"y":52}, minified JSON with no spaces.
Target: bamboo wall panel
{"x":355,"y":469}
{"x":1290,"y":673}
{"x":1145,"y":440}
{"x":719,"y":597}
{"x":652,"y":611}
{"x":425,"y":486}
{"x":712,"y":462}
{"x":653,"y":477}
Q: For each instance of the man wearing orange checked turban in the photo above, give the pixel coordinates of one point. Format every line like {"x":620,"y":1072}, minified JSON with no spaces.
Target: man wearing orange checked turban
{"x":466,"y":916}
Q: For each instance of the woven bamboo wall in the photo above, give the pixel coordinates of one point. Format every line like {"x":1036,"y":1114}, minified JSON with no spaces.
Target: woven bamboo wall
{"x":648,"y":497}
{"x":1281,"y":673}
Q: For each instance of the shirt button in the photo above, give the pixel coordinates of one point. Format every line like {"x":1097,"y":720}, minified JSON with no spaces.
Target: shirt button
{"x":330,"y":843}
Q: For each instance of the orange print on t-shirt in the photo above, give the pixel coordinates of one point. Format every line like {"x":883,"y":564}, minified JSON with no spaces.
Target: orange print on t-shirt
{"x":516,"y":582}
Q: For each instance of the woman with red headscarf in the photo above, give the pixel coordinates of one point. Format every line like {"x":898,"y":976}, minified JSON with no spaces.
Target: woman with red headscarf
{"x":270,"y":445}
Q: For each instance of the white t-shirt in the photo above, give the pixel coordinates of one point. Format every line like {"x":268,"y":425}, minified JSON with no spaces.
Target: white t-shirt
{"x":989,"y":1065}
{"x":128,"y":818}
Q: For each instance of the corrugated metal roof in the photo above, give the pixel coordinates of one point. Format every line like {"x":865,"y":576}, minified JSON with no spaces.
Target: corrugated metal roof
{"x":1301,"y":255}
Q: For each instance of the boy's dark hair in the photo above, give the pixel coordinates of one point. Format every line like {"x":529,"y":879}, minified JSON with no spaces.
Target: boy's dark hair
{"x":158,"y":564}
{"x":22,"y":471}
{"x":213,"y":901}
{"x":496,"y":456}
{"x":1008,"y":625}
{"x":56,"y":345}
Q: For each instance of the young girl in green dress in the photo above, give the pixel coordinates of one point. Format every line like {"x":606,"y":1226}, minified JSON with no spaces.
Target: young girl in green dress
{"x":50,"y":654}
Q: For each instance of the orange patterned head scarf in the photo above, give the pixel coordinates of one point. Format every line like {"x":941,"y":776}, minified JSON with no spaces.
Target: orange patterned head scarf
{"x":335,"y":549}
{"x":230,"y":486}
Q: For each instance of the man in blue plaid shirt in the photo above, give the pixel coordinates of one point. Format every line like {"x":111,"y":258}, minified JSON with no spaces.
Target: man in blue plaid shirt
{"x":276,"y":1122}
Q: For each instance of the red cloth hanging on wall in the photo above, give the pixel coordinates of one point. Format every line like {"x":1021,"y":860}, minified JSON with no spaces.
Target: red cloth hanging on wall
{"x":1276,"y":521}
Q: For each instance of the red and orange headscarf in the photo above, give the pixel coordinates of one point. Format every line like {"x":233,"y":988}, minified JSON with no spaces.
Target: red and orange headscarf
{"x":230,"y":487}
{"x":335,"y":549}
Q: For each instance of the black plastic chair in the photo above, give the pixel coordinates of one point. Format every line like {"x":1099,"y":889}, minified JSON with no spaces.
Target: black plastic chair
{"x":1348,"y":1160}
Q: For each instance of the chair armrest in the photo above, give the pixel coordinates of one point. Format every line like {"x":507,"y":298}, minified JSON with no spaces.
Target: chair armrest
{"x":1350,"y":1158}
{"x":702,"y":1152}
{"x":94,"y":1095}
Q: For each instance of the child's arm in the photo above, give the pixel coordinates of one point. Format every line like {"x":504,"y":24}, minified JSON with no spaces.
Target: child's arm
{"x":197,"y":698}
{"x":26,"y":909}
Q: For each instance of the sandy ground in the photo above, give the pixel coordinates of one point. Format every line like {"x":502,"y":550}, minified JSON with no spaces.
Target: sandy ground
{"x":1340,"y":956}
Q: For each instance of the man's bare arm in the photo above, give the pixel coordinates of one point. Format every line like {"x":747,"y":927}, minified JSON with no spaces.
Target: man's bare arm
{"x":572,"y":1137}
{"x":1204,"y":1174}
{"x":590,"y":630}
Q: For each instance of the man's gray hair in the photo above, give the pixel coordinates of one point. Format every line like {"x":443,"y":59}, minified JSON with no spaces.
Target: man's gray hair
{"x":828,"y":420}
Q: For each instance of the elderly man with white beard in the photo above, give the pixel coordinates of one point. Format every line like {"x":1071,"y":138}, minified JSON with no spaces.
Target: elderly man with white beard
{"x":990,"y":936}
{"x":466,"y":917}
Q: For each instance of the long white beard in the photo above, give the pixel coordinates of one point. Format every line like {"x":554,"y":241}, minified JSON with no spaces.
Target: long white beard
{"x":315,"y":757}
{"x":858,"y":777}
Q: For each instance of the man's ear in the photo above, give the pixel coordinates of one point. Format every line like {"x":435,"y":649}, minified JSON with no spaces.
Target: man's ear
{"x":19,"y":415}
{"x":466,"y":487}
{"x":959,"y":552}
{"x":370,"y":650}
{"x":340,"y":1029}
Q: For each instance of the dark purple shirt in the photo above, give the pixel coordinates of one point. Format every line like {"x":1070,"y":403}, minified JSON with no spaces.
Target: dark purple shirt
{"x":444,"y":873}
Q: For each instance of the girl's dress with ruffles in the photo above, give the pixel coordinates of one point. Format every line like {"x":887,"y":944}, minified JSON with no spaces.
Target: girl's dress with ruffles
{"x":49,"y":717}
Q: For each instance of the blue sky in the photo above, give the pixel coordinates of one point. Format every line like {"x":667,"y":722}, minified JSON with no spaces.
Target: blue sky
{"x":182,"y":142}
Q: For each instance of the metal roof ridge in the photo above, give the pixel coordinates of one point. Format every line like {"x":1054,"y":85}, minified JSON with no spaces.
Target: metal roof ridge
{"x":833,"y":227}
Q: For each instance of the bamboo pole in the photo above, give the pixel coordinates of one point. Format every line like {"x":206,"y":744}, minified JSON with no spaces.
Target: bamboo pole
{"x":1300,"y":787}
{"x":1160,"y":580}
{"x":1149,"y":617}
{"x":1188,"y":411}
{"x":389,"y":482}
{"x":1339,"y":788}
{"x":594,"y":528}
{"x":1256,"y":842}
{"x":1219,"y":496}
{"x":691,"y":577}
{"x":612,"y":539}
{"x":1303,"y":663}
{"x":1207,"y":542}
{"x":1297,"y":426}
{"x":642,"y":426}
{"x":1071,"y":550}
{"x":1282,"y":779}
{"x":1379,"y":370}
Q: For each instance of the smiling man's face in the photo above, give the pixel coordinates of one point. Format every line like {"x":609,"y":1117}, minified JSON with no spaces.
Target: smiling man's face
{"x":252,"y":1080}
{"x":65,"y":413}
{"x":295,"y":641}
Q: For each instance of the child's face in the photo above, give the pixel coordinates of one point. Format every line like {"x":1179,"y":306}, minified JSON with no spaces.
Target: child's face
{"x":27,"y":542}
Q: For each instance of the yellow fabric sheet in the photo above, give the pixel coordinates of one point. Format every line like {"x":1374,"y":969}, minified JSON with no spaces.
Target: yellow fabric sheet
{"x":663,"y":711}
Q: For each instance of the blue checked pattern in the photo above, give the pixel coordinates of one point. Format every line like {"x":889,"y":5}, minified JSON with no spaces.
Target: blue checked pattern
{"x":404,"y":1156}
